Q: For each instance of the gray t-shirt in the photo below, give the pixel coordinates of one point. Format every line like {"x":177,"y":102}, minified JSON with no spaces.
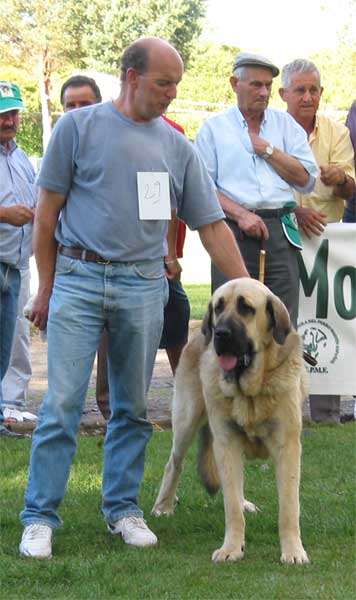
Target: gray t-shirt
{"x":93,"y":158}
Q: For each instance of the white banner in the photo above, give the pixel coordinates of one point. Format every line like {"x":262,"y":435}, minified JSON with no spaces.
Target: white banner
{"x":327,"y":308}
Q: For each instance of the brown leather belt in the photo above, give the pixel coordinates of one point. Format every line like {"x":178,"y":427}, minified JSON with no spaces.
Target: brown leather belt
{"x":82,"y":254}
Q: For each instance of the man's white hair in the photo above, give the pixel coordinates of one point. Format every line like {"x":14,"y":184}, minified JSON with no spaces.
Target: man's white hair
{"x":300,"y":65}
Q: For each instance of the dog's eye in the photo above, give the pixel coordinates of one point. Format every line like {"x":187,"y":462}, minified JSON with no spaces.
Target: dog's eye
{"x":243,"y":308}
{"x":219,"y":307}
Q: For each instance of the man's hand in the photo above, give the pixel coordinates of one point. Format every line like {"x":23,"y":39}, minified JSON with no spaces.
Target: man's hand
{"x":249,"y":223}
{"x":311,"y":221}
{"x":258,"y":143}
{"x":17,"y":215}
{"x":332,"y":175}
{"x":173,"y":268}
{"x":39,"y":311}
{"x":252,"y":225}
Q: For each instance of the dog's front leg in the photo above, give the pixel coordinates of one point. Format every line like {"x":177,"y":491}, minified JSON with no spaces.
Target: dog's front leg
{"x":287,"y":460}
{"x":228,"y":455}
{"x":188,"y":414}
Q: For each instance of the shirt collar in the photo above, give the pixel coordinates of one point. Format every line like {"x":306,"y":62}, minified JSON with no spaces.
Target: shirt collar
{"x":313,"y":134}
{"x":242,"y":121}
{"x":12,"y":147}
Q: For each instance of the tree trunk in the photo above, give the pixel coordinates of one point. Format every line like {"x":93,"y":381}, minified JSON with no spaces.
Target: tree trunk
{"x":45,"y":88}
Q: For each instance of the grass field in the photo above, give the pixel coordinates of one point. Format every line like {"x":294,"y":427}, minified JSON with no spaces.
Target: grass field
{"x":199,"y":296}
{"x":88,"y":563}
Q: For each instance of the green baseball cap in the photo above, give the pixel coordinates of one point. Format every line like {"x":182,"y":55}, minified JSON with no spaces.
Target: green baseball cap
{"x":10,"y":97}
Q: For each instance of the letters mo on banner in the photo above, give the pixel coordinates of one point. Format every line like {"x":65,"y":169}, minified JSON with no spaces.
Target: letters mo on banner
{"x":327,"y":308}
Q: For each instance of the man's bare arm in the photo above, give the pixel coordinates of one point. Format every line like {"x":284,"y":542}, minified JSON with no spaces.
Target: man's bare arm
{"x":220,"y":243}
{"x":287,"y":167}
{"x":45,"y":250}
{"x":335,"y":176}
{"x":173,"y":268}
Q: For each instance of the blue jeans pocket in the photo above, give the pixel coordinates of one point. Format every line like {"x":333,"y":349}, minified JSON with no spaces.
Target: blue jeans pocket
{"x":152,"y":269}
{"x":65,"y":265}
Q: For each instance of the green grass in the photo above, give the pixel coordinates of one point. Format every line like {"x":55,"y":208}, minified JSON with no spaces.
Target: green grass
{"x":89,"y":563}
{"x":199,"y":296}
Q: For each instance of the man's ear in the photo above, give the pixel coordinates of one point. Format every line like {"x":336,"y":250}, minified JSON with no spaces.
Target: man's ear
{"x":233,"y":82}
{"x":282,"y":93}
{"x":131,"y":77}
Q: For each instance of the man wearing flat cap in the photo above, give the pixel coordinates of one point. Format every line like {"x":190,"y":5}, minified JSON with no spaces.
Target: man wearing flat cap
{"x":17,"y":202}
{"x":257,"y":157}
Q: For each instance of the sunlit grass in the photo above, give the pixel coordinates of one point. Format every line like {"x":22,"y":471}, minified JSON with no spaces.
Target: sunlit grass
{"x":89,"y":563}
{"x":199,"y":296}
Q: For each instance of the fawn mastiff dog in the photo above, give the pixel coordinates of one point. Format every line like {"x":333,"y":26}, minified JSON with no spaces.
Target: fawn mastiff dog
{"x":241,"y":381}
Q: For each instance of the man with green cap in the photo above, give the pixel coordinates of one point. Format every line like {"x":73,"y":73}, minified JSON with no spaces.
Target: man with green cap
{"x":17,"y":202}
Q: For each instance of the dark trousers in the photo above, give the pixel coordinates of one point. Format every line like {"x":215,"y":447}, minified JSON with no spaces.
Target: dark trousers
{"x":324,"y":409}
{"x":281,"y":269}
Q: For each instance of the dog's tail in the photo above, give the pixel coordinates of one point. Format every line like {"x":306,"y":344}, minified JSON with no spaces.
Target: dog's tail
{"x":207,"y":467}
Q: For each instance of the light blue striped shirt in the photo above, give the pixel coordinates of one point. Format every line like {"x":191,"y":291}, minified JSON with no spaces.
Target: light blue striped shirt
{"x":238,"y":172}
{"x":17,"y":177}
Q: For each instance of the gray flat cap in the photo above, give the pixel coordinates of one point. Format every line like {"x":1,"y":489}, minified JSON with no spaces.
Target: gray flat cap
{"x":245,"y":59}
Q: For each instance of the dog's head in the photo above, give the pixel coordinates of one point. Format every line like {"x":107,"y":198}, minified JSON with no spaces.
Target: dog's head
{"x":242,"y":319}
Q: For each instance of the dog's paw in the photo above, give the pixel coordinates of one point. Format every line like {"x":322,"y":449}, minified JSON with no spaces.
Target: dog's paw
{"x":250,"y":507}
{"x":295,"y":556}
{"x":228,"y":553}
{"x":164,"y":508}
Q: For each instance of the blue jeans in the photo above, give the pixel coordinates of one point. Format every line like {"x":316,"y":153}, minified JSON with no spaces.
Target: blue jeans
{"x":9,"y":292}
{"x":129,"y":299}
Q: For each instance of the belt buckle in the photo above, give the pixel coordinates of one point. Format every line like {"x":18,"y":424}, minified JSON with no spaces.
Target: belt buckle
{"x":102,"y":261}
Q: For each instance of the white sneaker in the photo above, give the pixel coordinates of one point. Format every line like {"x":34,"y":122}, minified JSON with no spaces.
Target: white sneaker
{"x":134,"y":531}
{"x":36,"y":541}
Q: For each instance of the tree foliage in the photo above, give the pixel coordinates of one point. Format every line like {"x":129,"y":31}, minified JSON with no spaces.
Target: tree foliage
{"x":207,"y":78}
{"x":109,"y":28}
{"x":46,"y":36}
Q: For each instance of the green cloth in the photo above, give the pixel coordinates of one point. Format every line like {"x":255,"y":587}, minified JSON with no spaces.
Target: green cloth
{"x":290,"y":228}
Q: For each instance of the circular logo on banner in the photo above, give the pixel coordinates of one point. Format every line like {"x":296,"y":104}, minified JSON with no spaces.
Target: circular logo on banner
{"x":320,"y":341}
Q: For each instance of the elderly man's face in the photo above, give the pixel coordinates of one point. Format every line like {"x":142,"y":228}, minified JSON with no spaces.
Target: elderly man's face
{"x":254,"y":91}
{"x":155,"y":89}
{"x":303,"y":95}
{"x":9,"y":124}
{"x":77,"y":97}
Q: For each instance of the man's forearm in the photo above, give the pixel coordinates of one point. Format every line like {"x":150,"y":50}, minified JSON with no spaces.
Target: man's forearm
{"x":289,"y":168}
{"x":220,"y":243}
{"x":44,"y":242}
{"x":232,"y":209}
{"x":45,"y":251}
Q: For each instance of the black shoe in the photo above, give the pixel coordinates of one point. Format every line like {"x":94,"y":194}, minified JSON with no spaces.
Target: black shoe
{"x":7,"y":433}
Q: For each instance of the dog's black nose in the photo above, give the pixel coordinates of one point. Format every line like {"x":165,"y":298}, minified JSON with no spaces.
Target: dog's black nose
{"x":222,"y":333}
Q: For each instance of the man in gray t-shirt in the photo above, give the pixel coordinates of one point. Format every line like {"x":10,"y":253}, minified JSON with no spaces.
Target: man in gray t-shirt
{"x":115,"y":172}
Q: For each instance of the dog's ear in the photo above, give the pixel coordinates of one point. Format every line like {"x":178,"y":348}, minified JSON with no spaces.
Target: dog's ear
{"x":279,"y":319}
{"x":207,"y":324}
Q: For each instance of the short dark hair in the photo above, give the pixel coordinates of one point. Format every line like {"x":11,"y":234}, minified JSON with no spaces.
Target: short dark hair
{"x":134,"y":57}
{"x":79,"y":81}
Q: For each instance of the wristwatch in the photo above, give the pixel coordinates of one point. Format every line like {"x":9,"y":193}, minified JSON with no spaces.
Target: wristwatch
{"x":268,"y":153}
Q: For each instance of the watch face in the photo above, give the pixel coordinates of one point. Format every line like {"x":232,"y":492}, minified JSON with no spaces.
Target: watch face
{"x":269,"y":150}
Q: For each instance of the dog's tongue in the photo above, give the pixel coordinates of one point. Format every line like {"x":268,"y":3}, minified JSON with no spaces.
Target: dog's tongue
{"x":227,"y":362}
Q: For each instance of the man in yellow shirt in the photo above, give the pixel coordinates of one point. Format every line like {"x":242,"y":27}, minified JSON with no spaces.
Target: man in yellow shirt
{"x":331,"y":144}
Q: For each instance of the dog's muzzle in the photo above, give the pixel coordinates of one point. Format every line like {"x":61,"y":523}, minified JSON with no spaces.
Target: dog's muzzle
{"x":233,"y":348}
